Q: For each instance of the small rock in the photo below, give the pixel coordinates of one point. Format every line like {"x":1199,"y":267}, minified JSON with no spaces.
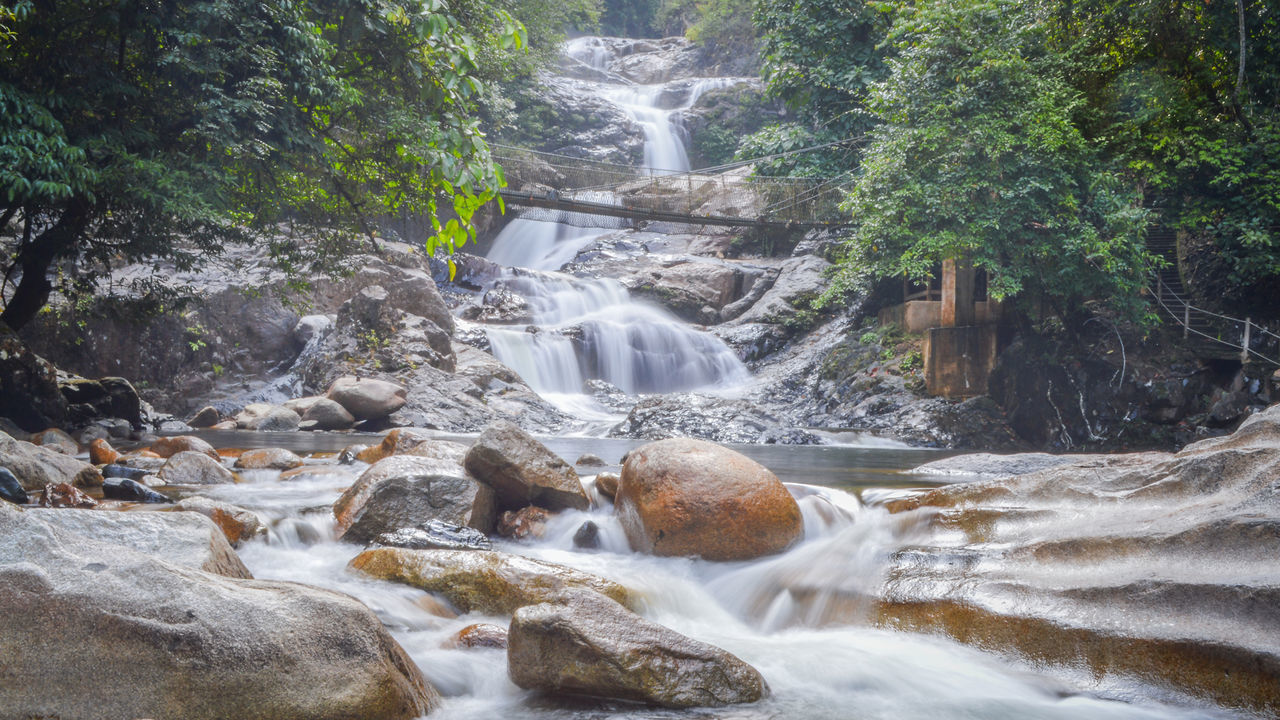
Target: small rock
{"x":101,"y":452}
{"x":587,"y":536}
{"x":56,"y":440}
{"x":91,"y":434}
{"x":479,"y":635}
{"x":525,"y":523}
{"x":268,"y":459}
{"x":132,"y":491}
{"x":224,"y":425}
{"x":589,"y":460}
{"x":167,"y":447}
{"x":267,"y":418}
{"x":328,"y":415}
{"x":436,"y":535}
{"x":522,"y":471}
{"x":238,"y":524}
{"x":367,"y":398}
{"x":607,"y":484}
{"x":195,"y":468}
{"x":350,"y":454}
{"x":147,"y":461}
{"x":11,"y":489}
{"x":207,"y":416}
{"x":64,"y":495}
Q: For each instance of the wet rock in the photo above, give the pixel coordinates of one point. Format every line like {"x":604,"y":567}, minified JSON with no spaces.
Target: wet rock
{"x":367,"y":398}
{"x":328,"y":415}
{"x":167,"y":447}
{"x":11,"y":489}
{"x":64,"y":495}
{"x":436,"y":535}
{"x":316,"y":472}
{"x":523,"y":524}
{"x":607,"y":484}
{"x":124,"y":471}
{"x":350,"y":454}
{"x":406,"y":491}
{"x":399,"y":442}
{"x":310,"y":328}
{"x":589,"y":460}
{"x":144,"y":460}
{"x":36,"y":466}
{"x":225,"y":425}
{"x":56,"y":440}
{"x":267,"y":459}
{"x":685,"y":288}
{"x":522,"y":471}
{"x":690,"y":497}
{"x":29,"y":394}
{"x":479,"y":635}
{"x":587,"y":644}
{"x":101,"y":452}
{"x":236,"y":523}
{"x":291,"y":652}
{"x":587,"y":536}
{"x":195,"y":468}
{"x":986,"y":465}
{"x":207,"y":416}
{"x":267,"y":418}
{"x":131,"y":491}
{"x":108,"y":397}
{"x":482,"y":581}
{"x":708,"y":417}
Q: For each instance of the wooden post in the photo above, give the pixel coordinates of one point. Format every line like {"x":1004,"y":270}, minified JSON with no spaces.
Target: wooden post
{"x":1244,"y":348}
{"x":1186,"y":320}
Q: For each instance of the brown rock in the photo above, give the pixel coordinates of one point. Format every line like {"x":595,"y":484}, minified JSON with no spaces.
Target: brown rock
{"x":268,"y":459}
{"x":101,"y":452}
{"x":527,"y":522}
{"x":607,"y":484}
{"x":482,"y":581}
{"x":402,"y":441}
{"x":64,"y":495}
{"x":236,"y":523}
{"x":167,"y":447}
{"x":479,"y":635}
{"x":56,"y":440}
{"x":522,"y":471}
{"x":692,"y":497}
{"x":207,"y":416}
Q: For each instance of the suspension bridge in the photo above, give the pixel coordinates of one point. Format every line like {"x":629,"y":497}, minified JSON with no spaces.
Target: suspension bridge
{"x":579,"y":191}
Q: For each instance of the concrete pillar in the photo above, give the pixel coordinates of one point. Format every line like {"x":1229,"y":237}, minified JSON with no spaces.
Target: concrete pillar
{"x":957,"y":293}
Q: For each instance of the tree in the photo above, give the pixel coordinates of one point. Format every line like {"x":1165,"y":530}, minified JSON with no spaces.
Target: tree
{"x":978,"y":156}
{"x":137,"y":129}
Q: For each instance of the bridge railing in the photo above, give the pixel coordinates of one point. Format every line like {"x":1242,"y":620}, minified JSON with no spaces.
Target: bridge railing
{"x":1243,"y":338}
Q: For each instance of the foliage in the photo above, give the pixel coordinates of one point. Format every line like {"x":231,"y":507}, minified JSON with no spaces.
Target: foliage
{"x":630,"y":18}
{"x":134,"y":130}
{"x":724,"y":28}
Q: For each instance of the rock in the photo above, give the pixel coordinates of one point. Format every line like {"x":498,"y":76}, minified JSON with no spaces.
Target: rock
{"x":64,"y":495}
{"x":123,"y":471}
{"x":207,"y":416}
{"x":479,"y":635}
{"x":167,"y":447}
{"x":436,"y":535}
{"x":108,"y":397}
{"x":708,"y":417}
{"x":268,"y":459}
{"x":36,"y":466}
{"x":328,"y":415}
{"x":987,"y":465}
{"x":225,"y":425}
{"x":144,"y":460}
{"x":522,"y":471}
{"x":482,"y":581}
{"x":367,"y":398}
{"x":29,"y":394}
{"x":691,"y":497}
{"x":101,"y":452}
{"x":56,"y":440}
{"x":587,"y":644}
{"x":302,"y":405}
{"x":589,"y":460}
{"x":174,"y":641}
{"x":607,"y":485}
{"x":351,"y":453}
{"x":317,"y":472}
{"x":195,"y":468}
{"x":398,"y":442}
{"x":309,"y":328}
{"x":525,"y":523}
{"x":406,"y":491}
{"x":236,"y":523}
{"x":267,"y":418}
{"x":11,"y":489}
{"x":587,"y":536}
{"x":132,"y":491}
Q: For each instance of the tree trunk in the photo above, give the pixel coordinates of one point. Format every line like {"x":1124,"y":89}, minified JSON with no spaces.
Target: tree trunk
{"x":1240,"y":74}
{"x":35,"y":259}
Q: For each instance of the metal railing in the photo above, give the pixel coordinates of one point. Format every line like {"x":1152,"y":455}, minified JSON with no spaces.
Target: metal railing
{"x":1243,"y":337}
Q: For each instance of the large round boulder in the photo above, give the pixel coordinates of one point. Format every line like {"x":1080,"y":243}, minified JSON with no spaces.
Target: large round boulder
{"x":328,"y":415}
{"x":35,"y":466}
{"x":267,"y":418}
{"x":169,"y":446}
{"x":522,"y":471}
{"x":195,"y":468}
{"x":587,"y":644}
{"x":405,"y":491}
{"x":691,"y":497}
{"x":367,"y":398}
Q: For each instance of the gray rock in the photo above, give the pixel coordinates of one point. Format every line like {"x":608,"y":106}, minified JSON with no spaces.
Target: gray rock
{"x":267,"y":418}
{"x":708,"y":417}
{"x":986,"y":465}
{"x":195,"y":468}
{"x":35,"y":466}
{"x":522,"y":471}
{"x":173,"y":640}
{"x":328,"y":415}
{"x":311,"y":327}
{"x":587,"y":644}
{"x":11,"y":489}
{"x":131,"y":491}
{"x":367,"y":398}
{"x":406,"y":491}
{"x":436,"y":535}
{"x":56,"y":440}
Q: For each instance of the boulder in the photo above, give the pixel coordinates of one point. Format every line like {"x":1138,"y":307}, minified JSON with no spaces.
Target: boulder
{"x":267,"y":459}
{"x":406,"y":491}
{"x":479,"y":635}
{"x":587,"y":536}
{"x":29,"y":394}
{"x":36,"y":467}
{"x":11,"y":489}
{"x":328,"y":415}
{"x":236,"y":523}
{"x":587,"y":644}
{"x":589,"y":460}
{"x":101,"y":452}
{"x":207,"y":416}
{"x":607,"y":484}
{"x":367,"y":398}
{"x":131,"y":491}
{"x":522,"y":471}
{"x":267,"y":418}
{"x":436,"y":535}
{"x":527,"y":522}
{"x":195,"y":468}
{"x":166,"y":447}
{"x":168,"y":641}
{"x":56,"y":440}
{"x":404,"y":440}
{"x":64,"y":495}
{"x":482,"y":581}
{"x":303,"y":404}
{"x":692,"y":497}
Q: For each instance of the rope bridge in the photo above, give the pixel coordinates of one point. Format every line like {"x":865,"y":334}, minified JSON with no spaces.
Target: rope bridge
{"x":586,"y":192}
